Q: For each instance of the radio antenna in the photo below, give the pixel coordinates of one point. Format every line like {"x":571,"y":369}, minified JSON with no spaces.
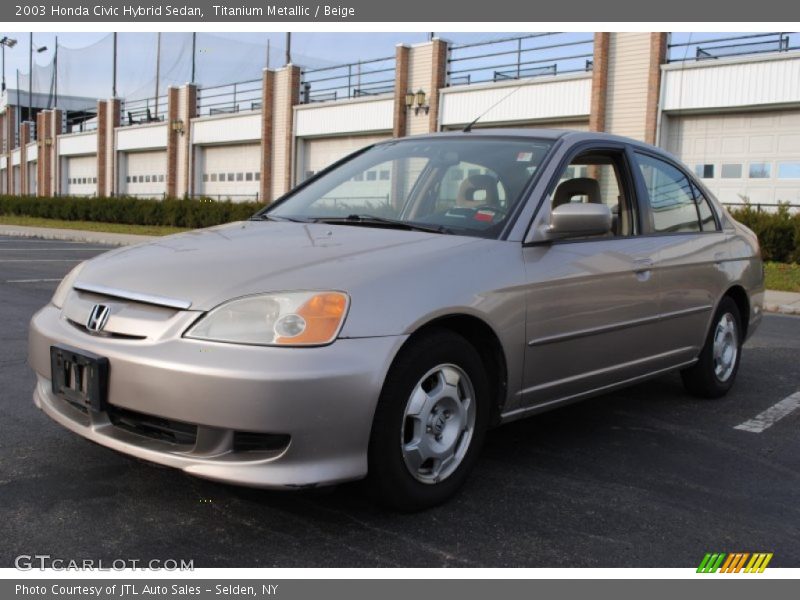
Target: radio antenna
{"x":468,"y":128}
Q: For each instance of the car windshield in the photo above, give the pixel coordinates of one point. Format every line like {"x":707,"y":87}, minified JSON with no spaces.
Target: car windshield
{"x":465,"y":185}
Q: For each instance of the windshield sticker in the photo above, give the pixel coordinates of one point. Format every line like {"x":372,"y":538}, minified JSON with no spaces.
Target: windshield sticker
{"x":525,"y":157}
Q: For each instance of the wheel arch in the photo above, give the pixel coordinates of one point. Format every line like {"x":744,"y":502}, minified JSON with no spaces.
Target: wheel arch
{"x":485,"y":341}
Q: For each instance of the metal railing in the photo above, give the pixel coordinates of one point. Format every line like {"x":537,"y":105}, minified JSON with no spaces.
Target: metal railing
{"x":520,"y":57}
{"x":143,"y":110}
{"x":353,"y":80}
{"x":229,"y":98}
{"x":682,"y":48}
{"x":763,"y":206}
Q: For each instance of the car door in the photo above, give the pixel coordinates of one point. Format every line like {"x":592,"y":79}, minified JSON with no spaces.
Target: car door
{"x":593,"y":304}
{"x":691,"y":256}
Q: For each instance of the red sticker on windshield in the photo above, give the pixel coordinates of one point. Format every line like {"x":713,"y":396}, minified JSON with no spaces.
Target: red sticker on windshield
{"x":484,"y":215}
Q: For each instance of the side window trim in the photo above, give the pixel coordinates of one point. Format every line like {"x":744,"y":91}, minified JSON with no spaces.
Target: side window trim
{"x":700,"y":196}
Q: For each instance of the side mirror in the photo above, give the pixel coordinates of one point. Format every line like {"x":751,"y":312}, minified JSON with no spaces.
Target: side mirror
{"x":577,"y":220}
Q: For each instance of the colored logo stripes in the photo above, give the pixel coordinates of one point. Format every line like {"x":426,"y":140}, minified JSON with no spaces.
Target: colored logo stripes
{"x":734,"y":562}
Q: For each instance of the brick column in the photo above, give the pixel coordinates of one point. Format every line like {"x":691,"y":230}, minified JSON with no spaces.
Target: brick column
{"x":55,"y":131}
{"x":42,"y":120}
{"x":187,"y":110}
{"x":24,"y":138}
{"x":438,"y":81}
{"x":267,"y":105}
{"x":597,"y":116}
{"x":400,"y":89}
{"x":102,"y":146}
{"x":287,"y":94}
{"x":113,"y":112}
{"x":658,"y":56}
{"x":9,"y":121}
{"x":173,"y":101}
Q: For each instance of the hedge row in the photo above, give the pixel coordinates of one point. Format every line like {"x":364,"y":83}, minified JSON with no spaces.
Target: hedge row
{"x":778,"y":232}
{"x":175,"y":212}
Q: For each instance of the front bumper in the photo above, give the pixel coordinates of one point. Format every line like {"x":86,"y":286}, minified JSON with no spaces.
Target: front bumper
{"x":322,"y":398}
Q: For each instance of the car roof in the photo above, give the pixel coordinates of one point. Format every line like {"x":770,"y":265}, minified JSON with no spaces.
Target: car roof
{"x":572,"y":135}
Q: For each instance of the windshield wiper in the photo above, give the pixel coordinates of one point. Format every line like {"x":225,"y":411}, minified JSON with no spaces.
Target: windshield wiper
{"x":269,"y":217}
{"x":374,"y":221}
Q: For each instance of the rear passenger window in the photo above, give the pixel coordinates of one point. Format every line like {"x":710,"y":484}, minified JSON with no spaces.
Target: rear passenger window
{"x":670,"y":194}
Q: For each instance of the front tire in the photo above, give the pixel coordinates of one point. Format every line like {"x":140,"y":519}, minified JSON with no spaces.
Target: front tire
{"x":430,"y":422}
{"x":715,"y":371}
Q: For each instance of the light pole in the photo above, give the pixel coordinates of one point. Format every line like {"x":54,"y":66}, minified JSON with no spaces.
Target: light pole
{"x":10,"y":42}
{"x":38,"y":49}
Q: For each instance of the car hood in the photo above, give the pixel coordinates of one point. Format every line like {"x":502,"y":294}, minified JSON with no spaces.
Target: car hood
{"x":209,"y":266}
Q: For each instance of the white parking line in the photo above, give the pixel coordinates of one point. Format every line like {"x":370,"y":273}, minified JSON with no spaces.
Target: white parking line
{"x":30,"y":280}
{"x":772,"y":415}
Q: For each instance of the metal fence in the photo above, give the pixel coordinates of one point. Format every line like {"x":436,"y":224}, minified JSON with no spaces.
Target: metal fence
{"x":229,"y":98}
{"x":763,"y":206}
{"x":144,"y":110}
{"x":683,"y":48}
{"x":520,"y":57}
{"x":353,"y":80}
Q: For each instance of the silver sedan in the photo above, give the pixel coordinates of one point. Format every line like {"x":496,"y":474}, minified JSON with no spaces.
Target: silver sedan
{"x":378,"y":319}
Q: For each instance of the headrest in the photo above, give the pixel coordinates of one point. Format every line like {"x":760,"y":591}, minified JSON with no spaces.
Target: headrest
{"x":579,"y":186}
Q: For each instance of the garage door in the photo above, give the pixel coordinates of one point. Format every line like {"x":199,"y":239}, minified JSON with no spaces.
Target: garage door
{"x":3,"y":181}
{"x":144,"y":174}
{"x":32,"y":179}
{"x":316,"y":154}
{"x":753,"y":155}
{"x":230,"y":171}
{"x":80,"y":175}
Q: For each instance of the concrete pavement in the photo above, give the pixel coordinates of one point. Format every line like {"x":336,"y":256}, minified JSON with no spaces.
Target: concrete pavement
{"x":787,"y":303}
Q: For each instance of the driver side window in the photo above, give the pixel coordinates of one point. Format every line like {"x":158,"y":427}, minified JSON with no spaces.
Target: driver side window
{"x":596,"y":177}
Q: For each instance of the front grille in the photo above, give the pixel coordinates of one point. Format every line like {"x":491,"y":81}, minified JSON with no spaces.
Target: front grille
{"x":106,"y":334}
{"x":155,"y":428}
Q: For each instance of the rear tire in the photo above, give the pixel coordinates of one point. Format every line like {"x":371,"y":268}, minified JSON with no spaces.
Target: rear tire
{"x":715,"y":371}
{"x":430,"y":422}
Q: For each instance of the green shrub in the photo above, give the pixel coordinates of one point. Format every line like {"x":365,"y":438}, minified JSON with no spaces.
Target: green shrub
{"x":175,"y":212}
{"x":778,"y":232}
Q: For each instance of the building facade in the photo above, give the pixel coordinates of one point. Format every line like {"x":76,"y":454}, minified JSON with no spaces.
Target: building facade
{"x":734,"y":119}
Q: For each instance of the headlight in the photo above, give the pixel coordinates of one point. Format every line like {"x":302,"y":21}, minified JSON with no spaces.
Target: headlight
{"x":280,"y":319}
{"x":65,"y":286}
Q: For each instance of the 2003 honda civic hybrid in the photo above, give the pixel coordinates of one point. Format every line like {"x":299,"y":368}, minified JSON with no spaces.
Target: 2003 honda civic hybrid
{"x":375,"y":321}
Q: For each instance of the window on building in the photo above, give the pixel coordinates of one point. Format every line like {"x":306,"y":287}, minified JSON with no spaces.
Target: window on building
{"x":94,"y":179}
{"x":731,"y":171}
{"x":213,"y":177}
{"x":789,"y":170}
{"x":258,"y":175}
{"x":704,"y":171}
{"x":671,"y":197}
{"x":205,"y":177}
{"x":248,"y":176}
{"x":760,"y":170}
{"x":372,"y":176}
{"x":240,"y":177}
{"x":147,"y":178}
{"x":384,"y":175}
{"x":161,"y":179}
{"x":231,"y":176}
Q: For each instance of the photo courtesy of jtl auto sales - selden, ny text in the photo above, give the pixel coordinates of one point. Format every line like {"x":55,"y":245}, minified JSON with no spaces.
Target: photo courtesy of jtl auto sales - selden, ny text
{"x":399,"y":300}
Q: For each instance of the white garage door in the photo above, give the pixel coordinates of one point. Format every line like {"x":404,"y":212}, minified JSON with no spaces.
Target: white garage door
{"x":80,"y":175}
{"x":316,"y":154}
{"x":232,"y":172}
{"x":3,"y":181}
{"x":144,"y":174}
{"x":33,"y":181}
{"x":753,"y":155}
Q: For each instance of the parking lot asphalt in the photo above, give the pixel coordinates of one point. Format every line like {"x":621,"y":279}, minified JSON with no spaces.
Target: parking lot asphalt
{"x":644,"y":477}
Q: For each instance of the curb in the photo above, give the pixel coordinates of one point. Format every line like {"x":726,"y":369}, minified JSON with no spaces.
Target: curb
{"x":75,"y":235}
{"x":782,"y":309}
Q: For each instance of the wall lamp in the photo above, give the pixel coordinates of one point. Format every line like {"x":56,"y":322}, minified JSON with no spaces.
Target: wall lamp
{"x":177,"y":126}
{"x":417,"y":99}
